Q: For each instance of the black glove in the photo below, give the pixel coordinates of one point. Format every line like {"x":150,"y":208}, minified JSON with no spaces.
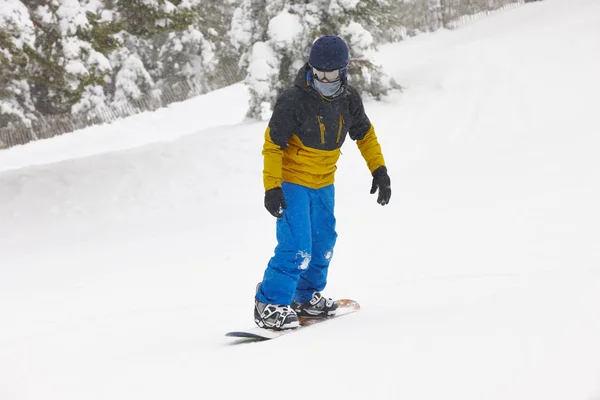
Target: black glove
{"x":381,"y":181}
{"x":274,"y":202}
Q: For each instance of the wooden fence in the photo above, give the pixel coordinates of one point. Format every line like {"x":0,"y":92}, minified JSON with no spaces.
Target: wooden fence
{"x":48,"y":126}
{"x":465,"y":19}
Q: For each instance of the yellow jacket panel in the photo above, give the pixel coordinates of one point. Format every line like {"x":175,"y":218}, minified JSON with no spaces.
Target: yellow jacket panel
{"x":310,"y":167}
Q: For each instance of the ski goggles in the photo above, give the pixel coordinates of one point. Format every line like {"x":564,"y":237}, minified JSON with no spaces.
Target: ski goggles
{"x":326,"y":76}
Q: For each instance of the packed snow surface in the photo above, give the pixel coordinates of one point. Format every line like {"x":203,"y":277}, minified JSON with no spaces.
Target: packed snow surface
{"x":128,"y":250}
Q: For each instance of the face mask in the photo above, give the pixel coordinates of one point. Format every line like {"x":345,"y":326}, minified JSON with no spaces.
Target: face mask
{"x":328,"y":89}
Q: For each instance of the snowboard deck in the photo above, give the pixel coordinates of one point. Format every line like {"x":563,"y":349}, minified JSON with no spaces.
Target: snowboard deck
{"x":256,"y":334}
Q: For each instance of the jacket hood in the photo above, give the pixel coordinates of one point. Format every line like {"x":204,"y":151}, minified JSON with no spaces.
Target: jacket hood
{"x":303,"y":83}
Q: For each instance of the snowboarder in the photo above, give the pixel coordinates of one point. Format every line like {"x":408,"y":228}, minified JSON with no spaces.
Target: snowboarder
{"x":308,"y":126}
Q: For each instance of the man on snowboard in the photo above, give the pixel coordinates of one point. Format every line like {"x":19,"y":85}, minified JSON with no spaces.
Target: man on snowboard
{"x":302,"y":146}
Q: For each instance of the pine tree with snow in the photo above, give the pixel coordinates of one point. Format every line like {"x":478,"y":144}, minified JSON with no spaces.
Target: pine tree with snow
{"x":214,"y":21}
{"x":131,"y":78}
{"x":17,"y":39}
{"x":185,"y":55}
{"x":69,"y":73}
{"x":212,"y":55}
{"x":258,"y":59}
{"x":166,"y":42}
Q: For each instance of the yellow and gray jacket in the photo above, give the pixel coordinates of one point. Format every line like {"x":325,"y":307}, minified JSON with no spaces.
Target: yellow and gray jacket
{"x":306,"y":132}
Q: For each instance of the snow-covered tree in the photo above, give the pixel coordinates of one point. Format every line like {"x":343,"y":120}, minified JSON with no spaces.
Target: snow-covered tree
{"x":171,"y":39}
{"x":272,"y":41}
{"x":214,"y":20}
{"x":17,"y":38}
{"x":131,"y":80}
{"x":151,"y":17}
{"x":185,"y":55}
{"x":67,"y":66}
{"x":104,"y":39}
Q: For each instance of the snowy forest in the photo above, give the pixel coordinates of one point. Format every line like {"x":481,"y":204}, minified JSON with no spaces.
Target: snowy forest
{"x":73,"y":58}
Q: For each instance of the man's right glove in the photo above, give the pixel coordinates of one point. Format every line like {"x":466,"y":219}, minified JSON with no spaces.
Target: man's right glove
{"x":381,"y":181}
{"x":275,"y":202}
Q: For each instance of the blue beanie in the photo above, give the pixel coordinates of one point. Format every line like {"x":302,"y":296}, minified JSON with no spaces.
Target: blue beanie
{"x":328,"y":53}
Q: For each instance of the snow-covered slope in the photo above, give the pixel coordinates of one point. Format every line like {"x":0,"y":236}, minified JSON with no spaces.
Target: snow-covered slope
{"x":128,"y":250}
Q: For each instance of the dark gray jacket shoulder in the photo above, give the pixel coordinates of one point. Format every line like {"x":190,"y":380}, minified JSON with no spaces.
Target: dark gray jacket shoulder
{"x":319,"y":122}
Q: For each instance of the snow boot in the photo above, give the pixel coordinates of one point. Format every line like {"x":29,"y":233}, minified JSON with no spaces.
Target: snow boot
{"x":317,"y":307}
{"x":274,"y":316}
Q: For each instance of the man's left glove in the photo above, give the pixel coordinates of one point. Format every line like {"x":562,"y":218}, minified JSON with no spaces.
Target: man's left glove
{"x":275,"y":202}
{"x":381,"y":181}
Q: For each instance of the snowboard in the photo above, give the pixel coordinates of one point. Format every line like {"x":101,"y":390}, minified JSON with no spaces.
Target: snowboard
{"x":345,"y":307}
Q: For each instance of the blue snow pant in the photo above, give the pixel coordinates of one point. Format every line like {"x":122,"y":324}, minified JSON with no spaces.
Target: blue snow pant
{"x":306,"y":237}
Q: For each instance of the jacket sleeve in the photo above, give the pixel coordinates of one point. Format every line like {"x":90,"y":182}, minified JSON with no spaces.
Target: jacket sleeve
{"x":371,"y":150}
{"x":282,"y":125}
{"x":363,"y":132}
{"x":273,"y":160}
